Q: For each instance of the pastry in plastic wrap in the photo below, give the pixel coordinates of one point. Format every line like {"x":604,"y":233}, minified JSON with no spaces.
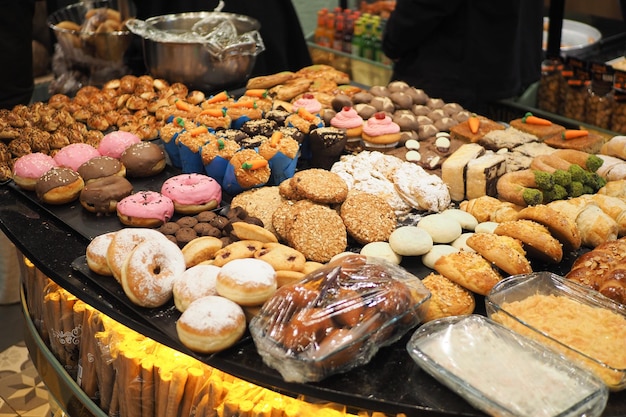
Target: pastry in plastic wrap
{"x":337,"y":317}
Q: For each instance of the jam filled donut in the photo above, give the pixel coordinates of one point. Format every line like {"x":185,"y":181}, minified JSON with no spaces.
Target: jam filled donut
{"x":28,"y":168}
{"x":196,"y":282}
{"x":192,"y":193}
{"x":59,"y":186}
{"x":247,"y":281}
{"x":149,"y":272}
{"x":211,"y":324}
{"x":101,"y":195}
{"x":145,"y":209}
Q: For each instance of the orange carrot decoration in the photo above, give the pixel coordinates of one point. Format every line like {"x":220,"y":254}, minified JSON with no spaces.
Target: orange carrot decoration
{"x":182,"y":105}
{"x":198,"y":130}
{"x":305,"y":114}
{"x":249,"y":104}
{"x":256,"y":92}
{"x":573,"y":134}
{"x":221,"y":96}
{"x":474,"y":123}
{"x":213,"y":112}
{"x":275,"y":139}
{"x":534,"y":120}
{"x":254,"y":164}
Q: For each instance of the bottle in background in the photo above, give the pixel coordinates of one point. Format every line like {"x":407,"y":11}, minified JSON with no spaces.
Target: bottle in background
{"x":339,"y":32}
{"x":346,"y":45}
{"x":368,"y":41}
{"x":319,"y":36}
{"x":330,"y":30}
{"x":357,"y":38}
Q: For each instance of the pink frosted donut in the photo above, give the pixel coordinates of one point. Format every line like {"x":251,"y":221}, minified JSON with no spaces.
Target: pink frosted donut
{"x":145,"y":209}
{"x":115,"y":143}
{"x":74,"y":155}
{"x":192,"y":193}
{"x":28,"y":168}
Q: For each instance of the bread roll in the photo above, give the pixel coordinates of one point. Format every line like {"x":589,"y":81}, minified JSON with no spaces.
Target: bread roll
{"x":468,"y":269}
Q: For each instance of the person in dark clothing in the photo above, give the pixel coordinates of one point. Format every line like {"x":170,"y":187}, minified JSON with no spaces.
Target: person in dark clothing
{"x":285,"y":45}
{"x":467,"y":51}
{"x":16,"y":72}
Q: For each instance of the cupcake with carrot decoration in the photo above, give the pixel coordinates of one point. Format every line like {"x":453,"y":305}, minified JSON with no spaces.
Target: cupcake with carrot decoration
{"x":214,"y":118}
{"x":305,"y":122}
{"x":243,"y":110}
{"x":261,"y":98}
{"x":177,"y":108}
{"x":215,"y":155}
{"x":246,"y":169}
{"x":282,"y":154}
{"x":190,"y":143}
{"x":169,"y":134}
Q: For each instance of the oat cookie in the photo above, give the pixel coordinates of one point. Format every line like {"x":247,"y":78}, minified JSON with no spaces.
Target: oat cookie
{"x":318,"y":232}
{"x":287,"y":190}
{"x":320,"y":186}
{"x":236,"y":250}
{"x":260,"y":203}
{"x":368,"y":217}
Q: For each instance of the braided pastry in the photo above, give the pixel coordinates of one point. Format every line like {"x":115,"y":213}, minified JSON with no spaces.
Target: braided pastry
{"x":603,"y":269}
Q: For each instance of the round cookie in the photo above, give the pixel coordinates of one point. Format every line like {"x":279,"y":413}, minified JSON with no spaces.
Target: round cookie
{"x":320,"y":186}
{"x":443,"y":229}
{"x":381,"y":250}
{"x":260,"y":203}
{"x":410,"y":241}
{"x":318,"y":232}
{"x":486,"y":227}
{"x":465,"y":219}
{"x":461,"y":242}
{"x":367,"y":217}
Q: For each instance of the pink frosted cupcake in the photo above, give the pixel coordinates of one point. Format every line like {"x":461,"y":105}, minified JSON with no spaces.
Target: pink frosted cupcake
{"x":380,"y":133}
{"x":307,"y":102}
{"x":113,"y":144}
{"x":350,"y":121}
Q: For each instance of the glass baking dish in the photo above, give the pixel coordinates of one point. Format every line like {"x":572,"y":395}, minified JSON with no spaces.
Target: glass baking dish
{"x":502,"y":372}
{"x":576,"y":321}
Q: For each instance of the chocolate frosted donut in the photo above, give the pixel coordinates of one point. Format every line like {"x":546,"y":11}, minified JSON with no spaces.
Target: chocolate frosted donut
{"x":102,"y":194}
{"x":59,"y":185}
{"x":101,"y":166}
{"x":143,"y":159}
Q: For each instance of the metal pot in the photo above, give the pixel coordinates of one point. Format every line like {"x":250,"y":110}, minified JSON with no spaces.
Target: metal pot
{"x":173,"y":52}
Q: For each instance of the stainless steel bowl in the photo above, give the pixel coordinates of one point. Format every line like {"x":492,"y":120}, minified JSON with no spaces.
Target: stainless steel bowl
{"x":172,"y":55}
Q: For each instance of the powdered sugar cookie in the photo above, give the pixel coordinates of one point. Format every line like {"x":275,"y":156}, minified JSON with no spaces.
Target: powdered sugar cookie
{"x":420,"y":189}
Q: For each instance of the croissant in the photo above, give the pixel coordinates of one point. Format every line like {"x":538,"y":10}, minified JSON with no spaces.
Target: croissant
{"x":614,"y":188}
{"x":615,"y":207}
{"x":616,"y":146}
{"x":594,"y":225}
{"x":603,"y":269}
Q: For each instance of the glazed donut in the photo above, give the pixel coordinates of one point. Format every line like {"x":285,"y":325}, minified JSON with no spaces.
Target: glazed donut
{"x":246,"y":281}
{"x":59,"y":186}
{"x":211,"y":324}
{"x":196,"y":282}
{"x":96,"y":254}
{"x":145,"y":209}
{"x":122,"y":242}
{"x":28,"y":168}
{"x":149,"y":272}
{"x":143,"y":159}
{"x":102,"y":195}
{"x":74,"y":155}
{"x":113,"y":144}
{"x":192,"y":193}
{"x":101,"y":166}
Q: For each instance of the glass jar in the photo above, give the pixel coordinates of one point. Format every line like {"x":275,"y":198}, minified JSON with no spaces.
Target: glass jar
{"x":550,"y":85}
{"x":600,"y":101}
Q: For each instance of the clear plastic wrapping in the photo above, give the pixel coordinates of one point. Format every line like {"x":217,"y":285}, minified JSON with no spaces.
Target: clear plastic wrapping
{"x":503,"y":373}
{"x":337,"y":317}
{"x":574,"y":320}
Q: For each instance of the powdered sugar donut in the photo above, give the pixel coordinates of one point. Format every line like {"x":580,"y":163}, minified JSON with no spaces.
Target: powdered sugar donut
{"x":196,"y":282}
{"x":28,"y":168}
{"x":211,"y":324}
{"x":246,"y":281}
{"x":124,"y":241}
{"x":96,"y":254}
{"x":149,"y":272}
{"x":145,"y":209}
{"x":74,"y":155}
{"x":192,"y":193}
{"x":113,"y":144}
